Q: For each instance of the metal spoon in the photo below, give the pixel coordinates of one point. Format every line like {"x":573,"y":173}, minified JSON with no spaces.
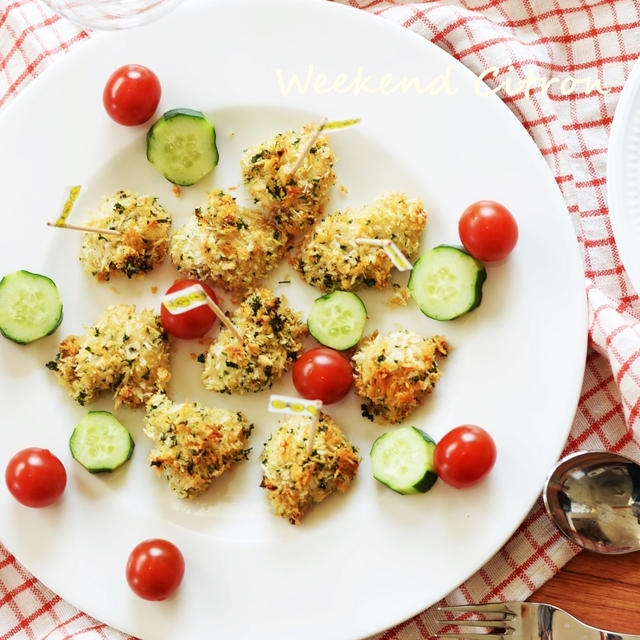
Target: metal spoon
{"x":593,"y":497}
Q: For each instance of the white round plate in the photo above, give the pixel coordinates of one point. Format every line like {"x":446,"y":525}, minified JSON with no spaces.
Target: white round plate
{"x":365,"y":560}
{"x":623,"y":176}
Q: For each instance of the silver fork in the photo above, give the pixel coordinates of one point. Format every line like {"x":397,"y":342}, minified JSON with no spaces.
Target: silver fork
{"x":518,"y":621}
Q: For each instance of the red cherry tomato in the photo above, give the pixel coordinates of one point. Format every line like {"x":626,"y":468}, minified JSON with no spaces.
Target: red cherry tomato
{"x":35,"y":477}
{"x":322,"y":374}
{"x":488,"y":230}
{"x":464,"y":455}
{"x":132,"y":94}
{"x":190,"y":324}
{"x":155,"y":569}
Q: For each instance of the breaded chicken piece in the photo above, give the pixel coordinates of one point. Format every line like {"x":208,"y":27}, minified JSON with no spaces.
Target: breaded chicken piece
{"x":295,"y":201}
{"x":124,"y":351}
{"x":329,"y":257}
{"x":295,"y":480}
{"x":271,"y":340}
{"x":144,"y":226}
{"x":232,"y":246}
{"x":194,"y":444}
{"x":394,"y":372}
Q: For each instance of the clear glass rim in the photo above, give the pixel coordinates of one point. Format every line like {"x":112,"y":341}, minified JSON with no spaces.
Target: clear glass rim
{"x":111,"y":14}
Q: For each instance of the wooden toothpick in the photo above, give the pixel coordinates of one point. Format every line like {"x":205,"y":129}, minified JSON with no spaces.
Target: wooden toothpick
{"x":315,"y":418}
{"x":183,"y":300}
{"x":398,"y":259}
{"x":223,"y":318}
{"x":308,"y":146}
{"x":375,"y":242}
{"x":77,"y":227}
{"x":295,"y":406}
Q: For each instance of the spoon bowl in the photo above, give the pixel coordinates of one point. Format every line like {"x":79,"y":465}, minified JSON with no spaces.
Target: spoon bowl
{"x":593,"y":497}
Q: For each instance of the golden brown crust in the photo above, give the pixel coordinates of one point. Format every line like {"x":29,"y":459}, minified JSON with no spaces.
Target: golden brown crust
{"x":394,"y":372}
{"x":144,"y":226}
{"x":194,"y":444}
{"x":272,"y":335}
{"x":125,"y":351}
{"x":329,"y":257}
{"x":233,"y":247}
{"x":295,"y":201}
{"x":295,"y":480}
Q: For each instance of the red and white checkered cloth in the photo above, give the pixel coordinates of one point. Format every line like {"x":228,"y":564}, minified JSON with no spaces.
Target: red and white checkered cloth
{"x":596,"y":39}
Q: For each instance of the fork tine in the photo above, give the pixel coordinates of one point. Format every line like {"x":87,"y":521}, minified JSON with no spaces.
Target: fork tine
{"x":496,"y":619}
{"x":467,"y":622}
{"x":467,"y":635}
{"x":490,"y":607}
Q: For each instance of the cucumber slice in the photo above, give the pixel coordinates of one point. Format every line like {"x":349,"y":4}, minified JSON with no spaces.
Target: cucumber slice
{"x":446,"y":282}
{"x":30,"y":306}
{"x":337,"y":319}
{"x":181,"y":145}
{"x":403,"y":460}
{"x":100,"y":443}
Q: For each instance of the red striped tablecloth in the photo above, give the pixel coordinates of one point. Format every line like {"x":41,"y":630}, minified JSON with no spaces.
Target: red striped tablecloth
{"x":594,"y":39}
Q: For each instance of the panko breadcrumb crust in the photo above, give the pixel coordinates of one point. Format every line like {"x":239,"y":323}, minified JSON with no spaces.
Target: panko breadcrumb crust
{"x":329,"y":257}
{"x":125,"y":351}
{"x":293,"y":200}
{"x":394,"y":372}
{"x":194,"y":444}
{"x":272,"y":336}
{"x":296,"y":480}
{"x":234,"y":247}
{"x":144,"y":226}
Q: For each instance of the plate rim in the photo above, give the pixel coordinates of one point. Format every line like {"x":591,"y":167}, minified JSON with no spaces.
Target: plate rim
{"x":617,"y":194}
{"x":79,"y":49}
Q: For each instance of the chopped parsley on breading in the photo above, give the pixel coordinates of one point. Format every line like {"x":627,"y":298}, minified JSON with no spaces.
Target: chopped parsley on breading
{"x":329,"y":257}
{"x":233,"y":247}
{"x":144,"y":226}
{"x":271,"y":340}
{"x":296,"y":480}
{"x":194,"y":444}
{"x":394,"y":372}
{"x":125,"y":351}
{"x":293,"y":200}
